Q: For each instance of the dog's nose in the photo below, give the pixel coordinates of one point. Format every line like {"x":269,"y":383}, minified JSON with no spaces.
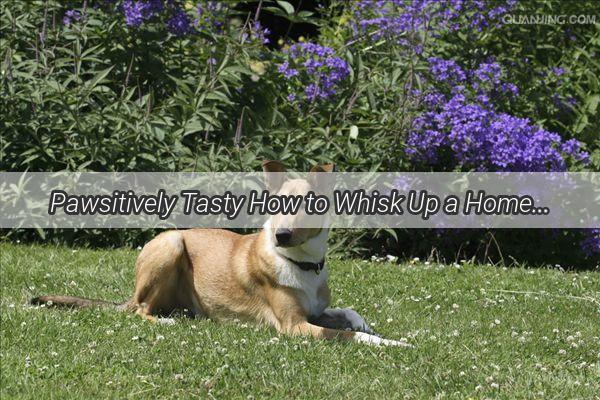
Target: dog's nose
{"x":283,"y":236}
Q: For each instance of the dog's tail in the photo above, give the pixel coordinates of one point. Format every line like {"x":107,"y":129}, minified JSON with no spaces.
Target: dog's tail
{"x":74,"y":302}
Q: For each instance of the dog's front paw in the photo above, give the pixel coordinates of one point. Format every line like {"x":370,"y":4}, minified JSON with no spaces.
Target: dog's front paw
{"x":364,"y":328}
{"x":356,"y":322}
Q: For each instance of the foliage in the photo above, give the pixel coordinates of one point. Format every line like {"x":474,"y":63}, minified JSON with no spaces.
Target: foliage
{"x":151,"y":85}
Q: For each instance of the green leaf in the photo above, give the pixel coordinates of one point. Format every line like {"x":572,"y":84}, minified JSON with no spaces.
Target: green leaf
{"x":289,"y":9}
{"x":90,"y":85}
{"x":591,"y":103}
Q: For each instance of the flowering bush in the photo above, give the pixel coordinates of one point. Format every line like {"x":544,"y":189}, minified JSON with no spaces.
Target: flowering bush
{"x":462,"y":128}
{"x":179,"y":18}
{"x":395,"y":19}
{"x":179,"y":85}
{"x":183,"y":18}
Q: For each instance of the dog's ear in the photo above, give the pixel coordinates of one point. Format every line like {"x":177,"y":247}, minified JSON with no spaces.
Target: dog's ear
{"x":324,"y":168}
{"x":320,"y":183}
{"x":274,"y":175}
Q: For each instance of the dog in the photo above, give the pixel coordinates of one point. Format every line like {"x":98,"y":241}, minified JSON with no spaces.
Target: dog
{"x":276,"y":277}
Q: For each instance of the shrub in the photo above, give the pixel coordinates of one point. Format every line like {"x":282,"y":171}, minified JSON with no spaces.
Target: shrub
{"x":151,"y":85}
{"x":461,"y":128}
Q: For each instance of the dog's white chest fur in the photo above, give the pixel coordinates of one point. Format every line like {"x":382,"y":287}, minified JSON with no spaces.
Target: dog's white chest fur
{"x":307,"y":282}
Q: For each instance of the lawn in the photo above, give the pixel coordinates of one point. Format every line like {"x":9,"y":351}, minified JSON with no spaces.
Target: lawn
{"x":478,"y":331}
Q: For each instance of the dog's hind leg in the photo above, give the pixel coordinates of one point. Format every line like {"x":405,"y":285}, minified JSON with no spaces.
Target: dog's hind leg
{"x":163,"y":280}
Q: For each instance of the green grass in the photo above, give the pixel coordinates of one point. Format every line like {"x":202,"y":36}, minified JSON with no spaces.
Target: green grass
{"x":478,"y":331}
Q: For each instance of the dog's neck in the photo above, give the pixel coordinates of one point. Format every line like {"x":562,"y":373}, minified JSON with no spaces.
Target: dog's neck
{"x":311,"y":251}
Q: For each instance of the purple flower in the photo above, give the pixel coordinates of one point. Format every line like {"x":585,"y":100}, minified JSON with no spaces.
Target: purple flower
{"x":509,"y":88}
{"x":572,"y":147}
{"x":138,"y":11}
{"x":433,"y":98}
{"x":446,"y":70}
{"x":489,"y":72}
{"x":259,"y":34}
{"x":211,"y":15}
{"x":179,"y":23}
{"x":313,"y":72}
{"x":71,"y":16}
{"x":287,"y":71}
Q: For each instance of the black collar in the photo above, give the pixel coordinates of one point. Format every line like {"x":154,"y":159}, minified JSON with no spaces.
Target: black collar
{"x":308,"y":266}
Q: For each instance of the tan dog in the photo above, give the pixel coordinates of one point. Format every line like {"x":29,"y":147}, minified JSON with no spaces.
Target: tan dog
{"x":275,"y":277}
